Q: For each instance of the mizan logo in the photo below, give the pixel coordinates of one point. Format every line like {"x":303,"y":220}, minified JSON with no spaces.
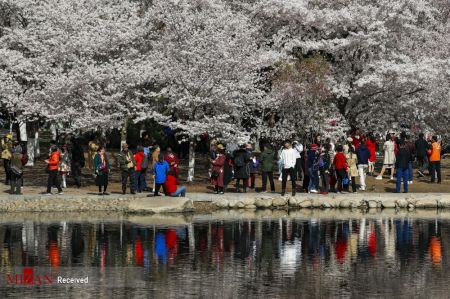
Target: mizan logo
{"x":28,"y":277}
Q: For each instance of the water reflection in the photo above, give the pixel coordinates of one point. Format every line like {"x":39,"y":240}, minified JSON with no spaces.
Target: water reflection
{"x":283,"y":257}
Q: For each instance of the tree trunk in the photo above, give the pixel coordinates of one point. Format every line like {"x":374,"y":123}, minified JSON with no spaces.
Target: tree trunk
{"x":23,"y":131}
{"x":33,"y":142}
{"x":54,"y":131}
{"x":10,"y":125}
{"x":31,"y":151}
{"x":258,"y":133}
{"x":123,"y":134}
{"x":191,"y":166}
{"x":142,"y":130}
{"x":257,"y":148}
{"x":37,"y":149}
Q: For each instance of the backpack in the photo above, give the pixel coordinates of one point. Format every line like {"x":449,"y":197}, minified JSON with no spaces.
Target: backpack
{"x":239,"y":161}
{"x":319,"y":163}
{"x":144,"y":163}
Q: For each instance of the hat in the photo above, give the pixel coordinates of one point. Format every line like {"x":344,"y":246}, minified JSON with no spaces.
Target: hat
{"x":220,"y":147}
{"x":9,"y":136}
{"x":350,"y":139}
{"x":248,"y":146}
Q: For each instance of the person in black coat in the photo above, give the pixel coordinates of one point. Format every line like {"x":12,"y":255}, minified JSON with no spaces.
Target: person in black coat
{"x":402,"y":166}
{"x":363,"y":155}
{"x":241,"y":160}
{"x":304,"y":162}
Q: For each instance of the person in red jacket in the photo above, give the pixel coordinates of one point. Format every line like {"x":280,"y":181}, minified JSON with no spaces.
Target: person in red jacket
{"x":340,"y":166}
{"x":371,"y":144}
{"x":141,"y":168}
{"x":52,"y":169}
{"x":173,"y":161}
{"x":171,"y":186}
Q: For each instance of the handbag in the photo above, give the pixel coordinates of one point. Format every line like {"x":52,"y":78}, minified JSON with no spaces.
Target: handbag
{"x":346,"y":181}
{"x":215,"y":174}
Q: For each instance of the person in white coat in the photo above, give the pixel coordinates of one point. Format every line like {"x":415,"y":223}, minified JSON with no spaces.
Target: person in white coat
{"x":389,"y":156}
{"x":288,"y":161}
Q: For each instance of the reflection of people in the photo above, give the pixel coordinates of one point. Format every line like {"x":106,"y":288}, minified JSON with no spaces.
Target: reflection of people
{"x":435,"y":250}
{"x":341,"y":246}
{"x":53,"y":249}
{"x":139,"y":253}
{"x":372,"y":242}
{"x":160,"y":247}
{"x":434,"y":245}
{"x":77,"y":243}
{"x":172,"y":242}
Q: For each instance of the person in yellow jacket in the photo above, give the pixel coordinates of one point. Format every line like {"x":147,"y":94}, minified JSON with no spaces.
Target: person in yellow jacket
{"x":6,"y":155}
{"x":352,"y":160}
{"x":435,"y":160}
{"x":92,"y":151}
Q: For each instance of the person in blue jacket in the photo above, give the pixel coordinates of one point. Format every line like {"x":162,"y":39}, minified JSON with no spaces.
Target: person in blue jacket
{"x":160,"y":171}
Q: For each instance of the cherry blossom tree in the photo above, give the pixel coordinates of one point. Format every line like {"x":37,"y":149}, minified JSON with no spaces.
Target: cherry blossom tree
{"x":206,"y":64}
{"x":387,"y":59}
{"x":233,"y":69}
{"x":79,"y":63}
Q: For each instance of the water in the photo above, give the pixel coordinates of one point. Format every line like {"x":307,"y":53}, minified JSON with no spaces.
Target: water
{"x":369,"y":257}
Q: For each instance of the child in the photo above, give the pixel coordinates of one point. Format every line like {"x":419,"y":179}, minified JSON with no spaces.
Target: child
{"x":160,"y":171}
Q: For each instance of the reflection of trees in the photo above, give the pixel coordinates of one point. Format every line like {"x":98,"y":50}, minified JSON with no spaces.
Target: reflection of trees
{"x":319,"y":257}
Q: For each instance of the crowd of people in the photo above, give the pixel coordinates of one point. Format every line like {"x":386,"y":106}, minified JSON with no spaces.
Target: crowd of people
{"x":321,"y":166}
{"x":68,"y":159}
{"x":324,"y":166}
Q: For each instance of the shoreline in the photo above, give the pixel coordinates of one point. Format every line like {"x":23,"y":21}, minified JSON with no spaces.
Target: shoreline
{"x":208,"y":202}
{"x":183,"y":219}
